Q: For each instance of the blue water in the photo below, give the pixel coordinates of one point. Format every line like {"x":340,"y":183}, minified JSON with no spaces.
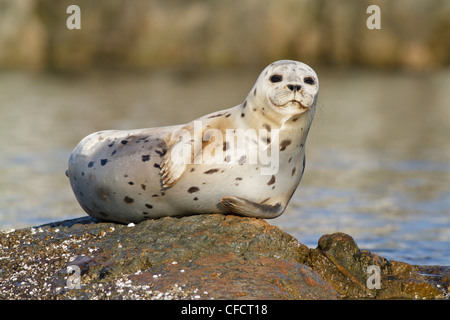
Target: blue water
{"x":397,"y":209}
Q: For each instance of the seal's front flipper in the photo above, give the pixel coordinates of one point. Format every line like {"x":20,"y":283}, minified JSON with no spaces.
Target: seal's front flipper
{"x":171,"y":170}
{"x":186,"y":147}
{"x":248,"y":208}
{"x":178,"y":155}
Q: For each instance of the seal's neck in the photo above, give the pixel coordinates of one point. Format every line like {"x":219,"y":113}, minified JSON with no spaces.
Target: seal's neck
{"x":253,"y":113}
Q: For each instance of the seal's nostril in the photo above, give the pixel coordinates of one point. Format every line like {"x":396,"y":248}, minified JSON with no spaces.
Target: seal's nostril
{"x":294,"y":87}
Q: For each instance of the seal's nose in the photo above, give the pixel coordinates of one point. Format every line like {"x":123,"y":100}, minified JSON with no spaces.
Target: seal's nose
{"x":294,"y":87}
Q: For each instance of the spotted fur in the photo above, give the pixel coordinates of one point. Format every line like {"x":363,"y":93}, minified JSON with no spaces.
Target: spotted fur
{"x":129,"y":176}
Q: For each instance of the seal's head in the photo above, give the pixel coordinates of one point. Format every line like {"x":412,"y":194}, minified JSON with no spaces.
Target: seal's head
{"x":287,"y":87}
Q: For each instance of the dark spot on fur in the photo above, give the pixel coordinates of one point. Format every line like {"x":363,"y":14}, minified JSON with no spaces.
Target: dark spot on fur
{"x":304,"y":164}
{"x":82,"y":173}
{"x":111,"y":144}
{"x":149,"y":206}
{"x":226,"y":145}
{"x":142,"y":139}
{"x":267,"y":140}
{"x":293,"y":171}
{"x":161,"y":152}
{"x":193,"y":189}
{"x":103,"y":194}
{"x":192,"y":170}
{"x":163,"y":193}
{"x":295,"y":119}
{"x":124,"y":142}
{"x":157,"y":166}
{"x":216,"y":115}
{"x":245,"y":104}
{"x":155,"y":196}
{"x":131,"y":183}
{"x":195,"y":199}
{"x":125,"y":175}
{"x":241,"y":160}
{"x":239,"y":178}
{"x":91,"y":164}
{"x":271,"y":181}
{"x":113,"y":153}
{"x":267,"y":127}
{"x":103,"y":162}
{"x":211,"y":171}
{"x":128,"y":200}
{"x":144,"y":212}
{"x":143,"y":186}
{"x":227,"y":159}
{"x":254,"y":92}
{"x":228,"y":115}
{"x":284,"y":144}
{"x":145,"y":157}
{"x":242,"y":114}
{"x":290,"y":159}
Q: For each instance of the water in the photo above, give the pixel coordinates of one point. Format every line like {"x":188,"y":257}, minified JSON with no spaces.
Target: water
{"x":378,"y":154}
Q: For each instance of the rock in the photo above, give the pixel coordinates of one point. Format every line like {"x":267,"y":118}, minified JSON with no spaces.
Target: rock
{"x":340,"y":262}
{"x":207,"y":257}
{"x":196,"y":257}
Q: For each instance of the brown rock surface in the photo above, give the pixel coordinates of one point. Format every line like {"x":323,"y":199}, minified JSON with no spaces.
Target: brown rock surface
{"x":197,"y":257}
{"x":340,"y":262}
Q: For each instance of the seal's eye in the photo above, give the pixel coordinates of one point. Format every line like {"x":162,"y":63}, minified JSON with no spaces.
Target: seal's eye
{"x":276,"y":78}
{"x":309,"y":80}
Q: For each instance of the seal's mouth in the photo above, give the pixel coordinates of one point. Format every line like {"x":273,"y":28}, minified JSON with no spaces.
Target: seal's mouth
{"x":294,"y":103}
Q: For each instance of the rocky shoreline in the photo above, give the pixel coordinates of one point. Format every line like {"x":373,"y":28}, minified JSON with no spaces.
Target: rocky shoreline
{"x":200,"y":257}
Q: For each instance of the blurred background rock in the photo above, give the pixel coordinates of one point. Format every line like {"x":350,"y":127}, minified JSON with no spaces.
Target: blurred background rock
{"x":138,"y":34}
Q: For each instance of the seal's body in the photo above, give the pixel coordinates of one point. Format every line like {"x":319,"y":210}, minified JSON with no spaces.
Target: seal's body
{"x":246,"y":160}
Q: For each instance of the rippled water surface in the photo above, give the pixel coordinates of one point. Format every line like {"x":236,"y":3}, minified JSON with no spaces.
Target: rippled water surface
{"x":378,"y":153}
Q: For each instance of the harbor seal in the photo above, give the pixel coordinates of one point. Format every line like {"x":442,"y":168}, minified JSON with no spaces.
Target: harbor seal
{"x":247,"y":160}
